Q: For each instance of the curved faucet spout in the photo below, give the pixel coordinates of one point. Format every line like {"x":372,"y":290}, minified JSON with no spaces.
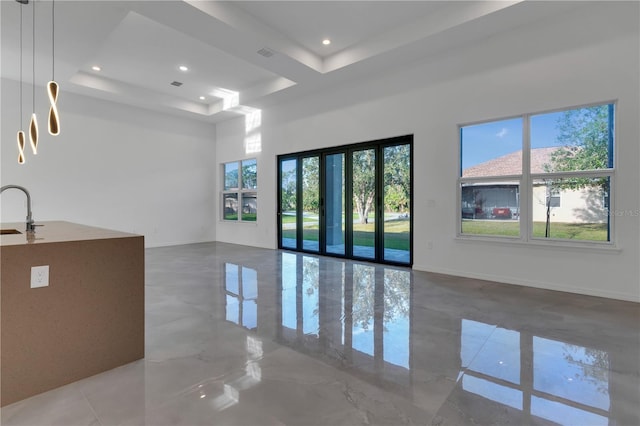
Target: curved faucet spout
{"x":31,"y":227}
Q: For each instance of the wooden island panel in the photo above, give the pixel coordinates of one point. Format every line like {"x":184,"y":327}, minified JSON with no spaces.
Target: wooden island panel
{"x":88,"y":320}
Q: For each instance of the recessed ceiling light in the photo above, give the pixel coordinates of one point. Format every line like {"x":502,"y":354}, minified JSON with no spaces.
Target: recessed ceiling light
{"x":183,"y":68}
{"x":96,"y":68}
{"x":202,"y":98}
{"x":326,"y":42}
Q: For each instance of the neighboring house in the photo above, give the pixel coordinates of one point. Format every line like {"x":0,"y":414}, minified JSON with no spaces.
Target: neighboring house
{"x":501,"y":200}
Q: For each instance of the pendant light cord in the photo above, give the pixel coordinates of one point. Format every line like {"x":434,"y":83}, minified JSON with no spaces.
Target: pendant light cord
{"x":20,"y":67}
{"x":33,"y":62}
{"x":53,"y":40}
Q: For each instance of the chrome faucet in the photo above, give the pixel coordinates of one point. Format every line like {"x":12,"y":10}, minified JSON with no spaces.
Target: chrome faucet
{"x":31,"y":226}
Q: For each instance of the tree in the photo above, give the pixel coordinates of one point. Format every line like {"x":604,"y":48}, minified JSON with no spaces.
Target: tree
{"x":585,"y":139}
{"x":249,"y":174}
{"x":364,"y":167}
{"x":395,"y":198}
{"x":288,"y":190}
{"x":397,"y":178}
{"x":585,"y":144}
{"x":311,"y":184}
{"x":231,"y":178}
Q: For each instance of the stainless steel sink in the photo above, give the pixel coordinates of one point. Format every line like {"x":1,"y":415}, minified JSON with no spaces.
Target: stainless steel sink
{"x":9,"y":231}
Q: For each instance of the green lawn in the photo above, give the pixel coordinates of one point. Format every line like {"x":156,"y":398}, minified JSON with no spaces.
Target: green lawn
{"x":287,"y":218}
{"x":569,"y":231}
{"x":247,"y":217}
{"x":395,"y":237}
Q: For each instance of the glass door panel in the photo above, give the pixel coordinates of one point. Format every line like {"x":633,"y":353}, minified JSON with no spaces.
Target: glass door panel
{"x":363,"y":187}
{"x":352,"y":201}
{"x":334,"y":203}
{"x":397,"y":203}
{"x":288,"y":202}
{"x":311,"y":203}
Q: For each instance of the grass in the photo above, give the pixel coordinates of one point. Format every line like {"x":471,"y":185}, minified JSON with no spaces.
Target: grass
{"x":568,"y":231}
{"x":290,"y":218}
{"x":287,"y":218}
{"x":396,"y":234}
{"x":247,"y":217}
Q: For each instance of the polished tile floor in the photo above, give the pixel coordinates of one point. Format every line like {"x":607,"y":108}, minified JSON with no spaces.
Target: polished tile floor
{"x":245,"y":336}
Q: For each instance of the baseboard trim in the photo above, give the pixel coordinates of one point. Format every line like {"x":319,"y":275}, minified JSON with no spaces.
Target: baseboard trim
{"x":529,"y":283}
{"x":175,"y":243}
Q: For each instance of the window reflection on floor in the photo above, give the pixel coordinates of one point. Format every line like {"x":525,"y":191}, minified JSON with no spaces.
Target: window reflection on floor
{"x":573,"y":372}
{"x":362,"y":319}
{"x":358,"y":315}
{"x":397,"y":289}
{"x":241,"y":289}
{"x":549,"y":379}
{"x":363,"y":308}
{"x":310,"y":295}
{"x":289,"y":283}
{"x":493,"y":391}
{"x":497,"y":358}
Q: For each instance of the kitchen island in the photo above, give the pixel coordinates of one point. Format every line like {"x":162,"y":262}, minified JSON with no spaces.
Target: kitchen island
{"x":88,"y":319}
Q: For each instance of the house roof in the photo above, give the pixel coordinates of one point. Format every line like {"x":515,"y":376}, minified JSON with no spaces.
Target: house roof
{"x":511,"y":164}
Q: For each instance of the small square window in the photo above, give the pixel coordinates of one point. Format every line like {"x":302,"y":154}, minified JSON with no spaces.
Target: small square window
{"x":239,"y":195}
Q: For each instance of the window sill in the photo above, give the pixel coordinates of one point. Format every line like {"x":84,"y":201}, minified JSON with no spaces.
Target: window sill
{"x":592,"y":247}
{"x":244,"y":222}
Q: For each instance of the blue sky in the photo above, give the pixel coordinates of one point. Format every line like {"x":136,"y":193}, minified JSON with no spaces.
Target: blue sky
{"x":486,"y":141}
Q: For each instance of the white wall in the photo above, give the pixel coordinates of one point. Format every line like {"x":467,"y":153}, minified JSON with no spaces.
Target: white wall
{"x":589,"y":55}
{"x":112,"y":166}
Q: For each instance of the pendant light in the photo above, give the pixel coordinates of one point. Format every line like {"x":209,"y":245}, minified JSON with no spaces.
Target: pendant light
{"x":20,"y":136}
{"x":52,"y":86}
{"x":33,"y":126}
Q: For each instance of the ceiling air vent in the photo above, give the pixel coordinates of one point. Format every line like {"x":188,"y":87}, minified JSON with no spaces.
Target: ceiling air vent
{"x":266,"y":52}
{"x":176,"y":83}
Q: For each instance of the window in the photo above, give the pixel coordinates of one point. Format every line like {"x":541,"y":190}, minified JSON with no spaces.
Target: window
{"x":553,"y":197}
{"x":491,"y":176}
{"x":239,"y":195}
{"x":552,"y":181}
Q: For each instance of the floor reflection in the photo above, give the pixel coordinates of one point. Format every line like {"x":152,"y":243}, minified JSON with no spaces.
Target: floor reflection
{"x":241,"y":289}
{"x":543,"y":378}
{"x":363,"y":318}
{"x":354,"y":313}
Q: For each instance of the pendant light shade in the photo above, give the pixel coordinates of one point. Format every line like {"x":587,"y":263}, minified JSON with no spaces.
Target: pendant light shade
{"x":52,"y":86}
{"x":33,"y":133}
{"x":54,"y":123}
{"x":21,"y":142}
{"x":20,"y":136}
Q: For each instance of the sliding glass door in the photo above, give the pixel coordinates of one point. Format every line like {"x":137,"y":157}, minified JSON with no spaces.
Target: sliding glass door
{"x":288,"y":202}
{"x":352,"y":201}
{"x":363,"y":190}
{"x":396,"y":226}
{"x":311,"y":203}
{"x":334,"y":203}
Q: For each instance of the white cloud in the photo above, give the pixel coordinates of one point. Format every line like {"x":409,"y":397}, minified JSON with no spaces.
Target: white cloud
{"x":502,"y":133}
